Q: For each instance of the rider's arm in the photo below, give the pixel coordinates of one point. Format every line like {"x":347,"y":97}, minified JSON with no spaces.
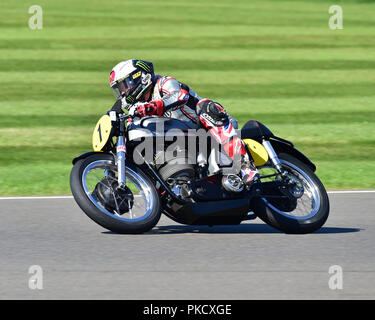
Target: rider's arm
{"x":173,"y":96}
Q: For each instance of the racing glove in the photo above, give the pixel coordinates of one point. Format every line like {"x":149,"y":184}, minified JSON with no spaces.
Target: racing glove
{"x":151,"y":108}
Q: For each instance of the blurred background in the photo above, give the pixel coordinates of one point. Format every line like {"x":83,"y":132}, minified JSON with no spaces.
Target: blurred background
{"x":274,"y":61}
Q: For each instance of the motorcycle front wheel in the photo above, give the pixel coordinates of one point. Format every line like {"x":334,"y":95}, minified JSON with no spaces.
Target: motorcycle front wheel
{"x":135,"y":209}
{"x":310,"y":209}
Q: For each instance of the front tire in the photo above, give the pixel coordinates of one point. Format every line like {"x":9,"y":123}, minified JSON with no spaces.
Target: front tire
{"x":316,"y":213}
{"x":89,"y":202}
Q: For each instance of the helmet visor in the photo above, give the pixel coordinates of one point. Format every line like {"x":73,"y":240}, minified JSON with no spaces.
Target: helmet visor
{"x":124,"y":87}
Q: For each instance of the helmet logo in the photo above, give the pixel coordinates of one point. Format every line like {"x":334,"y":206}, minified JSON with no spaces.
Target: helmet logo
{"x":137,"y":74}
{"x":112,"y":77}
{"x":130,"y":99}
{"x":146,"y":78}
{"x":143,"y":65}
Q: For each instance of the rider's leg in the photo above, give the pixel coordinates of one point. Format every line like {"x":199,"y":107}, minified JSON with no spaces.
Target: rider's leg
{"x":214,"y":118}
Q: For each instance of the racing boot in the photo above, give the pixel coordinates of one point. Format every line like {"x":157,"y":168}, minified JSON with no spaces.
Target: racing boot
{"x":249,"y":171}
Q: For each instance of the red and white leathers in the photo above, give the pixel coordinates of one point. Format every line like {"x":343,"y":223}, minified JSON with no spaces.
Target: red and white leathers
{"x":178,"y":99}
{"x":215,"y":119}
{"x":171,"y":98}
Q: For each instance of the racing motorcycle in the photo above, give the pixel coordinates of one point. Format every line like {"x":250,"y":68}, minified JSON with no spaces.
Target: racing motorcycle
{"x":125,"y":195}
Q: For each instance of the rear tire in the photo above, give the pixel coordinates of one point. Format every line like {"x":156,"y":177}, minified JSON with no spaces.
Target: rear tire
{"x":284,"y":221}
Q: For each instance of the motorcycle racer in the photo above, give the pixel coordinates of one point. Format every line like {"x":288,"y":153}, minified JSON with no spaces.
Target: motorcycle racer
{"x":134,"y":82}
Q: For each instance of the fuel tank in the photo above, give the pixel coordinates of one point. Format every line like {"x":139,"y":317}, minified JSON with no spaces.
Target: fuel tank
{"x":159,"y":126}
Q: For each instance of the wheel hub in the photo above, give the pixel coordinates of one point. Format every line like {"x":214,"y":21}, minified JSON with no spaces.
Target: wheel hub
{"x":108,"y":194}
{"x":295,"y":187}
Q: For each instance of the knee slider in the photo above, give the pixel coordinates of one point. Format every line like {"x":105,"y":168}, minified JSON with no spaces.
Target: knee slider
{"x":213,"y":112}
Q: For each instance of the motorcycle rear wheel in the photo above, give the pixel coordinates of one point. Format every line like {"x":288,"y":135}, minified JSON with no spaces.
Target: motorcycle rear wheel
{"x":312,"y":208}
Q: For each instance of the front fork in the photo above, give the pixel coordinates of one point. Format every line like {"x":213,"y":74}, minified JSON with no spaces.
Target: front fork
{"x":121,"y":156}
{"x":273,"y":156}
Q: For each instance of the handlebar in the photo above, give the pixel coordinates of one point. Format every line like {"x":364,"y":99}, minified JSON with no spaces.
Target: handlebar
{"x":128,"y":115}
{"x":124,"y":116}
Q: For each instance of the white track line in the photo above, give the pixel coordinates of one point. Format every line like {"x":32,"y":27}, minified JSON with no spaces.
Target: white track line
{"x":71,"y":197}
{"x":36,"y":198}
{"x":350,"y":191}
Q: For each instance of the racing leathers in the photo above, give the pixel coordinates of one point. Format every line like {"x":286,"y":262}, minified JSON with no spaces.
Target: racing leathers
{"x":173,"y":99}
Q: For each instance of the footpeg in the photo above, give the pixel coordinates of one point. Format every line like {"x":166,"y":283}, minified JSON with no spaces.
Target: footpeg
{"x":250,"y":181}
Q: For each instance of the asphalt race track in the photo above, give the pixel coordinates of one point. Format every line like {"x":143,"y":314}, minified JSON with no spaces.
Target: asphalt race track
{"x":80,"y":260}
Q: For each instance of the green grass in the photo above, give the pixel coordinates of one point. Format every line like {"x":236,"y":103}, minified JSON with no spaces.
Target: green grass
{"x":274,"y":61}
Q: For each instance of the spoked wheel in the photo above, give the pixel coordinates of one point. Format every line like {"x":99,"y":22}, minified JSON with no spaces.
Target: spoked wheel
{"x":304,"y":207}
{"x":133,"y":209}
